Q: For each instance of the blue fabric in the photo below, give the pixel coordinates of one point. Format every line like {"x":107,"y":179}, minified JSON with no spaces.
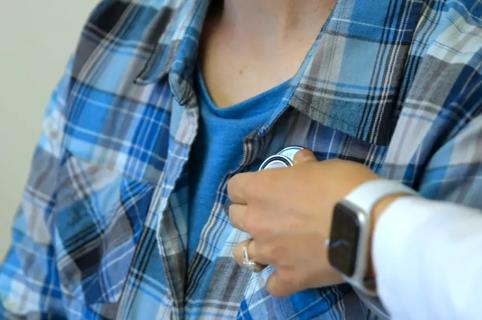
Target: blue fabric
{"x":392,"y":84}
{"x":218,"y":148}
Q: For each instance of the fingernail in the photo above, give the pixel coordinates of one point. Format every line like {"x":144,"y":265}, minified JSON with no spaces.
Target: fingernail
{"x":304,"y":155}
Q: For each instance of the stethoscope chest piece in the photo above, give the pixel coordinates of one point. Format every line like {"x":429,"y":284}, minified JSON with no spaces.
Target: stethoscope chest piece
{"x":282,"y":159}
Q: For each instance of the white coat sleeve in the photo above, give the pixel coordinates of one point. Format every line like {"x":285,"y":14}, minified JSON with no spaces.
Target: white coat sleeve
{"x":428,"y":260}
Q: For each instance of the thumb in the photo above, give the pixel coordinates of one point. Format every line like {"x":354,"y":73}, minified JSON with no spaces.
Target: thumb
{"x":304,"y":155}
{"x":279,"y":288}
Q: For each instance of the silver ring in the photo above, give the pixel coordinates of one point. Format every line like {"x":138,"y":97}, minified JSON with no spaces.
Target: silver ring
{"x":248,"y":263}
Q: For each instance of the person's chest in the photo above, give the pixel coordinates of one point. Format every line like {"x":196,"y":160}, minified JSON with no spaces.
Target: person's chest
{"x":123,"y":184}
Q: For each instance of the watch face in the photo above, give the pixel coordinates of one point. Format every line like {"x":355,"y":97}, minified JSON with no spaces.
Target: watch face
{"x":343,"y":246}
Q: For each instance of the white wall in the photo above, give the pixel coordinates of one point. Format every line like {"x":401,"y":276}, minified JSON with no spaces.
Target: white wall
{"x":36,"y":39}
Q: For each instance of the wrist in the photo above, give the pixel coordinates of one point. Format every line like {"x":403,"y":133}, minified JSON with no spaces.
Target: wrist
{"x":380,"y":208}
{"x":352,"y":228}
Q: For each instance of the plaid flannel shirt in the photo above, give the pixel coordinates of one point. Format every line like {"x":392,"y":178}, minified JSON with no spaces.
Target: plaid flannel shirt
{"x":101,"y":230}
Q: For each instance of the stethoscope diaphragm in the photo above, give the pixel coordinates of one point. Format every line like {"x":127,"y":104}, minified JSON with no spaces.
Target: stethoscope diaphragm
{"x":282,"y":159}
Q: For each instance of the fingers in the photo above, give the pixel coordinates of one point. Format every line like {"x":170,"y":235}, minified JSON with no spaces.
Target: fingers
{"x":252,"y":253}
{"x":304,"y":155}
{"x":238,"y":187}
{"x":283,"y":284}
{"x":237,"y":215}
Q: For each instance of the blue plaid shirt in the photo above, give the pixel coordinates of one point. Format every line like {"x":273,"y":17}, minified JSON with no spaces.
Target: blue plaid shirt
{"x":101,"y":230}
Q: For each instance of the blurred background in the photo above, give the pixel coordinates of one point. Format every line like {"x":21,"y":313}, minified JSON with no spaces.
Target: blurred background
{"x":37,"y":38}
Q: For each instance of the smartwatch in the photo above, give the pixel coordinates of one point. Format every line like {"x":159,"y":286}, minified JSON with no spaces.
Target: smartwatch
{"x":348,"y":245}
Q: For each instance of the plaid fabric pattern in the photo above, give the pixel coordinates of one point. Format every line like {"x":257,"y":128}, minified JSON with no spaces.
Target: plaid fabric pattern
{"x":101,"y":230}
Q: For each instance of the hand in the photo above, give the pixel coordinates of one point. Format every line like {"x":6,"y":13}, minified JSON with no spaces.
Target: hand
{"x":288,"y":214}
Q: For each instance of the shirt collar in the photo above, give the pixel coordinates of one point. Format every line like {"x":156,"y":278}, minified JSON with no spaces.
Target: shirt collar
{"x":175,"y":33}
{"x":341,"y":51}
{"x":176,"y":45}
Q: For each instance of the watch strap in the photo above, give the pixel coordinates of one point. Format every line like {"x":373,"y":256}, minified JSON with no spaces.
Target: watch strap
{"x":368,"y":194}
{"x":365,"y":197}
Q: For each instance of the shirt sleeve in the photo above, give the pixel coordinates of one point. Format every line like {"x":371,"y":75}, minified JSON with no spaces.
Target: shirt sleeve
{"x":29,"y":281}
{"x":427,"y":259}
{"x":427,"y":254}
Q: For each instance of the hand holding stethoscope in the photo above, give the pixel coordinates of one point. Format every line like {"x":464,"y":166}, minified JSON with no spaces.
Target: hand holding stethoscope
{"x":287,"y":210}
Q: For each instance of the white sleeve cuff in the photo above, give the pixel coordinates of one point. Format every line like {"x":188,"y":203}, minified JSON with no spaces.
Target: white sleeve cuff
{"x":428,"y":261}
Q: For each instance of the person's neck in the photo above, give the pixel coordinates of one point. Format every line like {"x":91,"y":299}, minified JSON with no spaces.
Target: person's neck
{"x":275,"y":20}
{"x":249,"y":46}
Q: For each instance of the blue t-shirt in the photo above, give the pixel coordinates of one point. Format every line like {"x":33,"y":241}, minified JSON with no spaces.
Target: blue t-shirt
{"x":218,"y":148}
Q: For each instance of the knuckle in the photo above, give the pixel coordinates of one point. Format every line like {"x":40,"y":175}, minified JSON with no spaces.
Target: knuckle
{"x":257,"y":187}
{"x":255,"y":224}
{"x":291,"y":279}
{"x":274,"y":291}
{"x":250,"y":223}
{"x":277,"y":253}
{"x":232,"y":186}
{"x":252,"y":189}
{"x":269,"y":252}
{"x":276,"y":249}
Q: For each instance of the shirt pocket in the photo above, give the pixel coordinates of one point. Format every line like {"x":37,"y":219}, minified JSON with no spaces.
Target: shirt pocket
{"x":105,"y":186}
{"x":98,"y":222}
{"x":297,"y":129}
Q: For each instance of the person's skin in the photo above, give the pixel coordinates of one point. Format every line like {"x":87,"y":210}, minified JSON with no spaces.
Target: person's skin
{"x":250,"y":46}
{"x":288,"y":214}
